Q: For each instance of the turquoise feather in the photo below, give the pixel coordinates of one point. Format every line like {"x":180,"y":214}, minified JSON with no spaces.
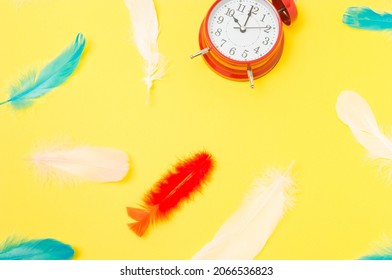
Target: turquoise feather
{"x":39,"y":249}
{"x":382,"y":253}
{"x":365,"y":18}
{"x":377,"y":257}
{"x":34,"y":85}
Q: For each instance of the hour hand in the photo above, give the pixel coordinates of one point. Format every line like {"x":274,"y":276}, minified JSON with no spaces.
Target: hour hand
{"x":236,"y":21}
{"x":240,"y":27}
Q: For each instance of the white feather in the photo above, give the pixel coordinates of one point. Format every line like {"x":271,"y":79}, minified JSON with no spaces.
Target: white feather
{"x":354,"y":111}
{"x":245,"y":233}
{"x":145,"y":32}
{"x":96,"y":164}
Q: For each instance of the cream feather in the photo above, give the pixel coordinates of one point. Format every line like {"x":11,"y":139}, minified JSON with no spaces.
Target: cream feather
{"x":96,"y":164}
{"x":355,"y":112}
{"x":145,"y":32}
{"x":245,"y":233}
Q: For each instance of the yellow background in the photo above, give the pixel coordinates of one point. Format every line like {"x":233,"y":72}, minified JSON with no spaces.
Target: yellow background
{"x":343,"y":206}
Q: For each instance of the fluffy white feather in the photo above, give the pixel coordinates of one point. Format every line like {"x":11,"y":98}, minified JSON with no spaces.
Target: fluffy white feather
{"x":355,"y":112}
{"x":145,"y":32}
{"x":96,"y":164}
{"x":245,"y":233}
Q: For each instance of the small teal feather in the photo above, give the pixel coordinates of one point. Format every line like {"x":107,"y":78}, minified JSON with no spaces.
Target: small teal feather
{"x":377,"y":257}
{"x":384,"y":253}
{"x":365,"y":18}
{"x":39,"y":249}
{"x":34,"y":85}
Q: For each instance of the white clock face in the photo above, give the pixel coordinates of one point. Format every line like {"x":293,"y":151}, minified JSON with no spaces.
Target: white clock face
{"x":243,"y":30}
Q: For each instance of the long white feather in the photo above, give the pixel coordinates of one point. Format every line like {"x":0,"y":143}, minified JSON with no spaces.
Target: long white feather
{"x":355,"y":112}
{"x":245,"y":233}
{"x":96,"y":164}
{"x":145,"y":32}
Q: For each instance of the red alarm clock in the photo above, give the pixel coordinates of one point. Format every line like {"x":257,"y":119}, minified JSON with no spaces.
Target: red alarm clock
{"x":243,"y":40}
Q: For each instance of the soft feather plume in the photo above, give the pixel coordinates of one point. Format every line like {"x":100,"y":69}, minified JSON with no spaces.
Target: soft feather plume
{"x":145,"y":32}
{"x":96,"y":164}
{"x":35,"y":85}
{"x":355,"y":112}
{"x":246,"y":232}
{"x":366,"y":18}
{"x":173,"y":189}
{"x":36,"y":249}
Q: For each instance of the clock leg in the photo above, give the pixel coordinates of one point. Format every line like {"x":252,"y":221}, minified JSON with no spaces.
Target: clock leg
{"x":203,"y":51}
{"x":250,"y":76}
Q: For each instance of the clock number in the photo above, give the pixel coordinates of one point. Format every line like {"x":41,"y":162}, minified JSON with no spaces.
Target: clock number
{"x":218,"y":32}
{"x":263,"y":18}
{"x":230,"y":12}
{"x":266,"y":40}
{"x":220,"y":19}
{"x":232,"y":51}
{"x":257,"y":50}
{"x":267,"y":28}
{"x":241,"y":8}
{"x":223,"y":42}
{"x":245,"y":53}
{"x":255,"y":10}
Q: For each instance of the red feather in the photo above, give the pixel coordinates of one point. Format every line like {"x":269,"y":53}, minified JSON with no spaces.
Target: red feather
{"x":175,"y":187}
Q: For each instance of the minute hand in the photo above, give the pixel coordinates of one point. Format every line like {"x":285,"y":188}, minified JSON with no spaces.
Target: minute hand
{"x":249,"y":14}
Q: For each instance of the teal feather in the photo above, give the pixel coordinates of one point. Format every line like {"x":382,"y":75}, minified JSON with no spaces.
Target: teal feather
{"x":39,"y":249}
{"x":377,"y":257}
{"x":34,"y":85}
{"x":382,"y":253}
{"x":365,"y":18}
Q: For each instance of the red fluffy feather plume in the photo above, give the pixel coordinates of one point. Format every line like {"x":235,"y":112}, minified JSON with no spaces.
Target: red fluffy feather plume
{"x":174,"y":188}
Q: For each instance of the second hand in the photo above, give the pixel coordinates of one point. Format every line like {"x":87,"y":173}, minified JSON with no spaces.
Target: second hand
{"x":252,"y":27}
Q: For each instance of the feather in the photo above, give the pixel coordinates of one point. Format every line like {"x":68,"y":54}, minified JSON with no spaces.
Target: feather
{"x":387,"y":255}
{"x":173,"y":189}
{"x":96,"y":164}
{"x":36,"y":249}
{"x":355,"y":112}
{"x":35,"y":85}
{"x":383,"y":251}
{"x":243,"y":235}
{"x":365,"y":18}
{"x":145,"y":32}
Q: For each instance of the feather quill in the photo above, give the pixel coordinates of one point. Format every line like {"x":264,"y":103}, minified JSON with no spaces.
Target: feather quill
{"x":145,"y":32}
{"x":355,"y":112}
{"x":96,"y":164}
{"x":246,"y":232}
{"x":171,"y":191}
{"x":35,"y":85}
{"x":36,"y":249}
{"x":366,"y":18}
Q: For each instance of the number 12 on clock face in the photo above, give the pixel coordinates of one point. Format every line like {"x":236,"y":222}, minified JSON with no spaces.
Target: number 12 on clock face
{"x":243,"y":39}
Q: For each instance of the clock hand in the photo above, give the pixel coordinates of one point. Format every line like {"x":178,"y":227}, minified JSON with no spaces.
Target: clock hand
{"x":253,"y":27}
{"x":241,"y":28}
{"x":249,"y":14}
